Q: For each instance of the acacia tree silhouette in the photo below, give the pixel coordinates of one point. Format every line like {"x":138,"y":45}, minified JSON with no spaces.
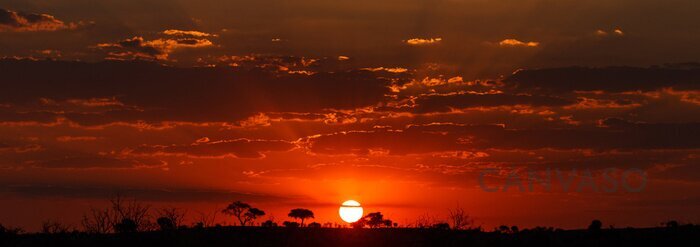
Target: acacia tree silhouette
{"x":243,"y":212}
{"x":237,"y":209}
{"x":252,"y":214}
{"x":301,"y":213}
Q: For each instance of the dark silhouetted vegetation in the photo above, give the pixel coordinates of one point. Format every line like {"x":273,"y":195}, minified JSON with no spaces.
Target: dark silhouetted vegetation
{"x":245,"y":214}
{"x":129,"y":223}
{"x":301,"y":213}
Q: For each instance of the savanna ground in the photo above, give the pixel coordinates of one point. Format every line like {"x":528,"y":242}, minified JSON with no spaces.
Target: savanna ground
{"x":306,"y":236}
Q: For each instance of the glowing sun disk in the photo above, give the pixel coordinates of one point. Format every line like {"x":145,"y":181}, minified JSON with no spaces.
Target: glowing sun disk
{"x":350,"y":211}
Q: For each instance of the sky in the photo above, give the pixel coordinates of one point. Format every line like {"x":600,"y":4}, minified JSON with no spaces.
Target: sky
{"x":409,"y":107}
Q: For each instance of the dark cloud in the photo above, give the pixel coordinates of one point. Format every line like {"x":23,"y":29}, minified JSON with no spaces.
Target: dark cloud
{"x":445,"y":103}
{"x":27,"y":22}
{"x":241,"y":148}
{"x":141,"y":194}
{"x":617,"y":134}
{"x":609,"y":79}
{"x":159,"y":49}
{"x":158,"y":93}
{"x":95,"y":161}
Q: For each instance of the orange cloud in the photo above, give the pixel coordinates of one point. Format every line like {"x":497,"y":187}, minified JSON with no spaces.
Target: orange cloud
{"x":603,"y":33}
{"x":175,"y":32}
{"x":390,"y":70}
{"x":518,"y":43}
{"x":421,"y":41}
{"x":75,"y":138}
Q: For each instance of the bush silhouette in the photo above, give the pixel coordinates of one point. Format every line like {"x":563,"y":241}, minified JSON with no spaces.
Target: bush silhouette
{"x":269,"y":223}
{"x":672,"y":224}
{"x":9,"y":230}
{"x":290,"y":224}
{"x":595,"y":225}
{"x":441,"y":226}
{"x":126,"y":226}
{"x":166,"y":224}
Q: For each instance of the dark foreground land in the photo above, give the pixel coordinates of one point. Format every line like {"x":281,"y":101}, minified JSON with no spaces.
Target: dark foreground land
{"x":257,"y":236}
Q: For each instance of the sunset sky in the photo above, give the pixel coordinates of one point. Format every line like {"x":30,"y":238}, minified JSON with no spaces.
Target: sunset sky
{"x":398,"y":104}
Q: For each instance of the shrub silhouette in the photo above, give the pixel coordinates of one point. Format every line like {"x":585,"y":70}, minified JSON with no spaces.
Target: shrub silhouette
{"x":55,"y":227}
{"x":441,"y":226}
{"x":175,"y":216}
{"x":672,"y":224}
{"x":269,"y":223}
{"x":595,"y":225}
{"x":130,"y":216}
{"x":10,"y":230}
{"x":166,"y":224}
{"x":126,"y":226}
{"x":314,"y":225}
{"x":301,"y":213}
{"x":290,"y":224}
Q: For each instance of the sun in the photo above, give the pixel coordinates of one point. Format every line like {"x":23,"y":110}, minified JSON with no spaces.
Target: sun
{"x":350,"y":211}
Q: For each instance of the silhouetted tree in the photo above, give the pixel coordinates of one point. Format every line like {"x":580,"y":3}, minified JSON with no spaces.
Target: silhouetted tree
{"x":99,"y":221}
{"x":252,"y":214}
{"x":237,"y":209}
{"x":290,"y":224}
{"x":514,"y":229}
{"x":425,"y":221}
{"x":375,"y":219}
{"x":301,"y":213}
{"x":243,"y":212}
{"x":130,"y":214}
{"x":459,"y":218}
{"x":595,"y":225}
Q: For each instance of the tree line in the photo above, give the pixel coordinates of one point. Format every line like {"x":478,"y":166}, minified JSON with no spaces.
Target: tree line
{"x":129,"y":216}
